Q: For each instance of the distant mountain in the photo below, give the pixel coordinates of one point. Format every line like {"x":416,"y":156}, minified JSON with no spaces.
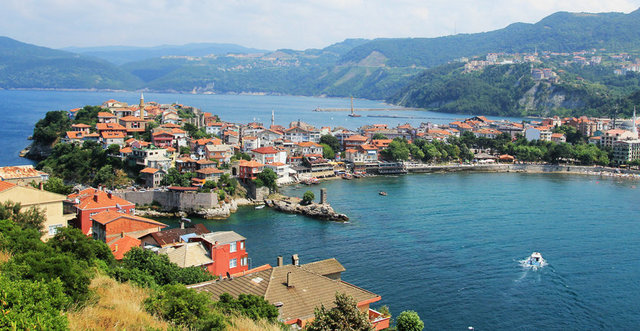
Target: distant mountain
{"x":559,"y":32}
{"x":27,"y":66}
{"x":123,"y":54}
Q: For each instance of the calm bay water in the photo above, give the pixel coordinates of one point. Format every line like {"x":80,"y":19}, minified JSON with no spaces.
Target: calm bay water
{"x":22,"y":109}
{"x":445,"y":245}
{"x":448,"y":246}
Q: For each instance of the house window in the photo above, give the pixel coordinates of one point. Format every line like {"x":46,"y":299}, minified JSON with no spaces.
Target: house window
{"x":243,"y":261}
{"x":53,"y":229}
{"x":232,"y":247}
{"x":242,"y":245}
{"x":233,"y":263}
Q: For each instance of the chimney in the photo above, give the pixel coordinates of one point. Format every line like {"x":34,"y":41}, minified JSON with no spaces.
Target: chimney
{"x":289,"y":280}
{"x":41,"y":186}
{"x":109,"y":194}
{"x":279,"y":264}
{"x":115,"y":248}
{"x":95,"y":197}
{"x":295,"y":260}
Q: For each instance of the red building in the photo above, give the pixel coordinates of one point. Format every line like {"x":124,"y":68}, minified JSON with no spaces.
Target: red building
{"x":354,"y":141}
{"x":162,"y":139}
{"x":122,"y":231}
{"x":227,"y":250}
{"x":91,"y":201}
{"x":249,"y":169}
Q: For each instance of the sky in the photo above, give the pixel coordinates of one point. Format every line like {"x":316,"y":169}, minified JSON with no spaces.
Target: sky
{"x":268,"y":24}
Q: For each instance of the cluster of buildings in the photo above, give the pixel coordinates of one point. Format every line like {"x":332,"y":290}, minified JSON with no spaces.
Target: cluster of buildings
{"x":295,"y":289}
{"x":294,"y":153}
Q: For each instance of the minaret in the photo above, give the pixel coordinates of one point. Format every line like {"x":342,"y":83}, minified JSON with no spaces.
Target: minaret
{"x":141,"y":106}
{"x":635,"y":127}
{"x":273,"y":118}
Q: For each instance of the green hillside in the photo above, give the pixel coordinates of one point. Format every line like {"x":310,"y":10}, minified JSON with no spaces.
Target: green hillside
{"x":560,"y":32}
{"x":28,"y":66}
{"x":510,"y":90}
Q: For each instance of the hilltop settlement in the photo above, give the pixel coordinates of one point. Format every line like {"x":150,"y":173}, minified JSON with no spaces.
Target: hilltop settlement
{"x":108,"y":170}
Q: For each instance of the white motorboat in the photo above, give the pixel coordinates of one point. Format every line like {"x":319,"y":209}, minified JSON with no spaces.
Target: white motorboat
{"x":535,"y":260}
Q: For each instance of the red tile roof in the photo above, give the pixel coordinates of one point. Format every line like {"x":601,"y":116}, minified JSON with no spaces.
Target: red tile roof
{"x":265,"y":150}
{"x":121,"y":246}
{"x":92,"y":198}
{"x":107,"y":217}
{"x":250,"y":164}
{"x":131,"y":119}
{"x":356,"y":137}
{"x":6,"y":185}
{"x":149,"y":170}
{"x":105,"y":114}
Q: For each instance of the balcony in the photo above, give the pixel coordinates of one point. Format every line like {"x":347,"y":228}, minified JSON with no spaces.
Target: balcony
{"x":378,"y":320}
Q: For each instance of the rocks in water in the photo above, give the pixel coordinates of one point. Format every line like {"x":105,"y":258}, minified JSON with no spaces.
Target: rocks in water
{"x":292,"y":205}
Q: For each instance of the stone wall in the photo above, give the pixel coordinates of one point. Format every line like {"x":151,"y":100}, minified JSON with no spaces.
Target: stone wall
{"x":168,"y":200}
{"x":529,"y":168}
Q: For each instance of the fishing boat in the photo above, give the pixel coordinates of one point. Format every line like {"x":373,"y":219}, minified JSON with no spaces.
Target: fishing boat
{"x":312,"y":181}
{"x":260,"y":207}
{"x":347,"y":176}
{"x":535,"y":260}
{"x":383,"y":193}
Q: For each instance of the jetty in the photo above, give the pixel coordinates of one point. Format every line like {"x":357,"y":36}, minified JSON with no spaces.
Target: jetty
{"x":293,"y":205}
{"x":366,"y":109}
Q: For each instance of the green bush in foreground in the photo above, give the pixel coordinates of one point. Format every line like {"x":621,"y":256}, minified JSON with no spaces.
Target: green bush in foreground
{"x":184,"y":307}
{"x":409,"y":321}
{"x":26,"y":305}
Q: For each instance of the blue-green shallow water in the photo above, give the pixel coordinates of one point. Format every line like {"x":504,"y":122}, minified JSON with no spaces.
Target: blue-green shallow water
{"x":448,"y":246}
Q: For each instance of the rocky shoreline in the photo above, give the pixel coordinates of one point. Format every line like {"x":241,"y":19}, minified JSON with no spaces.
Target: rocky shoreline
{"x":316,"y":210}
{"x":223,"y":211}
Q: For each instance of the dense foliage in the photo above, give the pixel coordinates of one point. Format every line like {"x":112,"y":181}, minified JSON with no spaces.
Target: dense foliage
{"x":185,"y":308}
{"x":308,"y":197}
{"x":29,"y":218}
{"x":409,"y":321}
{"x":51,"y":127}
{"x":267,"y":178}
{"x":344,"y":316}
{"x":174,"y":177}
{"x":86,"y":164}
{"x":252,"y":306}
{"x":32,"y":305}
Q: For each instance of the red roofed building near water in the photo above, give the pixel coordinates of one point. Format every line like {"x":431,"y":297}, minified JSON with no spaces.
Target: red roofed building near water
{"x":91,"y":201}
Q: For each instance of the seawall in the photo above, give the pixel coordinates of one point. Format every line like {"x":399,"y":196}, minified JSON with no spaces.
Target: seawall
{"x":188,"y":202}
{"x":525,"y":168}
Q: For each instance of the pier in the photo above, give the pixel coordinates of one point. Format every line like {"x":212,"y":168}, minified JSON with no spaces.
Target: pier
{"x":366,"y":109}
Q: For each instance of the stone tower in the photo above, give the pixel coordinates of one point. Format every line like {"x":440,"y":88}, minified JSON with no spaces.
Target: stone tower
{"x":141,"y":106}
{"x":323,"y":196}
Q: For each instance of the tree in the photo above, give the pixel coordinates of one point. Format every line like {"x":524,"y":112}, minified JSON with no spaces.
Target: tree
{"x":55,"y":185}
{"x":409,"y":321}
{"x":73,"y":241}
{"x":327,"y":152}
{"x":345,"y":316}
{"x":185,"y":150}
{"x":32,"y":218}
{"x":308,"y":197}
{"x":378,"y":136}
{"x":331,"y":141}
{"x":268,"y":178}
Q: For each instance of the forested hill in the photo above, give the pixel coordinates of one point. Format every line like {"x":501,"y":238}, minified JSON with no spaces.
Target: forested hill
{"x":559,"y":32}
{"x":29,"y":66}
{"x":511,"y":90}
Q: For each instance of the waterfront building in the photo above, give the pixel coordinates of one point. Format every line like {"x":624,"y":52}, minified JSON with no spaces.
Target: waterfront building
{"x":150,"y":157}
{"x":613,"y":135}
{"x":354,"y":141}
{"x":268,"y":137}
{"x":227,"y":250}
{"x":248,"y":170}
{"x":213,"y":127}
{"x":23,"y":175}
{"x":51,"y":204}
{"x":297,"y":290}
{"x":80,"y":127}
{"x":152,"y":177}
{"x":308,"y":147}
{"x":110,"y":127}
{"x":625,"y":151}
{"x":269,"y":155}
{"x":299,"y":134}
{"x":90,"y":202}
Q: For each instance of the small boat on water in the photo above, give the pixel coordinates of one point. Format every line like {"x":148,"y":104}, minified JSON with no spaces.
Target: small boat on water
{"x":383,"y":193}
{"x":260,"y":207}
{"x":535,"y":260}
{"x":312,"y":181}
{"x":347,"y":176}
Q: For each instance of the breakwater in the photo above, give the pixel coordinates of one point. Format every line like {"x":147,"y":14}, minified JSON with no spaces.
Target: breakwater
{"x":524,"y":168}
{"x":293,"y":205}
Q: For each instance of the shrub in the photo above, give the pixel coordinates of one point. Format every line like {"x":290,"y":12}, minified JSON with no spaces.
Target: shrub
{"x":184,"y":307}
{"x":32,"y":305}
{"x":252,"y":306}
{"x":308,"y":197}
{"x":409,"y":320}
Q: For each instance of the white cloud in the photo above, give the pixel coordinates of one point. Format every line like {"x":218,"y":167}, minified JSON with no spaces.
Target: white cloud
{"x":268,"y":24}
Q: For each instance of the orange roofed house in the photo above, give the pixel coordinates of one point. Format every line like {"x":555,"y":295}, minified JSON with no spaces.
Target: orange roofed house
{"x":249,"y":169}
{"x":297,"y":290}
{"x":228,"y":251}
{"x":122,"y":231}
{"x":91,"y":201}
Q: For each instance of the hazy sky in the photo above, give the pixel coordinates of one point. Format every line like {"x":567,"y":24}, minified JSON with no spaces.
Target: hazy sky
{"x":268,"y":24}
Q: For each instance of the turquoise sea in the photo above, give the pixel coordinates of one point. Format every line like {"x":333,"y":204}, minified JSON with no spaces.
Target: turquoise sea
{"x":445,"y":245}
